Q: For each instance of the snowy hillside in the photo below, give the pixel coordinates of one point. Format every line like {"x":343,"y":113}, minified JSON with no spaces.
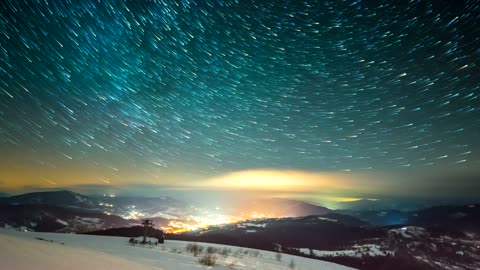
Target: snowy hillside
{"x":32,"y":250}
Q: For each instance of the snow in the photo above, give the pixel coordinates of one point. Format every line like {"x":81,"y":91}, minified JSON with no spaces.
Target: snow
{"x":409,"y":232}
{"x":459,"y":215}
{"x":79,"y":198}
{"x":372,"y":250}
{"x":357,"y":251}
{"x":331,"y":253}
{"x":87,"y":220}
{"x":26,"y":251}
{"x":247,"y":224}
{"x":382,"y":213}
{"x":327,"y":219}
{"x":26,"y":254}
{"x":63,"y":222}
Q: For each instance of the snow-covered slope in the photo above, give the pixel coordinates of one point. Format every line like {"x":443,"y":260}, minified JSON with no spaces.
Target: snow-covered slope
{"x":31,"y":250}
{"x":25,"y":254}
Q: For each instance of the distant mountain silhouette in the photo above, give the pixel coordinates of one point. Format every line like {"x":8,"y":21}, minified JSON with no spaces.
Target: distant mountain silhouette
{"x":277,"y":207}
{"x":304,"y":227}
{"x":48,"y":218}
{"x":58,"y":198}
{"x":465,"y":217}
{"x":326,"y":231}
{"x":379,"y":217}
{"x":66,"y":204}
{"x":459,"y":218}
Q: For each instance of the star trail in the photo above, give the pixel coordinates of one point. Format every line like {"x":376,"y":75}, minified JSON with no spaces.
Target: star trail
{"x":122,"y":91}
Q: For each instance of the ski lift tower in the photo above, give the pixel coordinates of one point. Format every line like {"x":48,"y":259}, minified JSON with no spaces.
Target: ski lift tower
{"x":147,"y":224}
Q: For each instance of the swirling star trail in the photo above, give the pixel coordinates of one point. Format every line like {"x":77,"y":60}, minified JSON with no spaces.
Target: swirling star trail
{"x":188,"y":88}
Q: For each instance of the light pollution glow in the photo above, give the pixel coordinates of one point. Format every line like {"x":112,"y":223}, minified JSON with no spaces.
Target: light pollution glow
{"x":328,"y":189}
{"x":319,"y":186}
{"x":280,"y":180}
{"x":162,"y":94}
{"x":218,"y":218}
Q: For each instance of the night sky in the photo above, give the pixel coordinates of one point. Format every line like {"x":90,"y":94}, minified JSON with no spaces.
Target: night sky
{"x":163,"y":92}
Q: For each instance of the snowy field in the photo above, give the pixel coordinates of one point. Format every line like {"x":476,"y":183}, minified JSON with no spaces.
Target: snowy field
{"x":358,"y":251}
{"x":42,"y":251}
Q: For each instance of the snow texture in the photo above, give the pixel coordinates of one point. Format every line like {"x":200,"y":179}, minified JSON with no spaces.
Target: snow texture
{"x":52,"y":251}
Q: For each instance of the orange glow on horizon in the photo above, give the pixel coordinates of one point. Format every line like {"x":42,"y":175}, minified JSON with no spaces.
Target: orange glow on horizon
{"x":347,"y":199}
{"x":280,"y":180}
{"x":175,"y":227}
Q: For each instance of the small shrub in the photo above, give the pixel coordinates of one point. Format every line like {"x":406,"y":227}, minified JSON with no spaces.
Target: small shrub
{"x":194,"y":248}
{"x":209,"y":259}
{"x":225,"y":252}
{"x":238,"y":253}
{"x":176,"y":250}
{"x":211,"y":250}
{"x":255,"y":253}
